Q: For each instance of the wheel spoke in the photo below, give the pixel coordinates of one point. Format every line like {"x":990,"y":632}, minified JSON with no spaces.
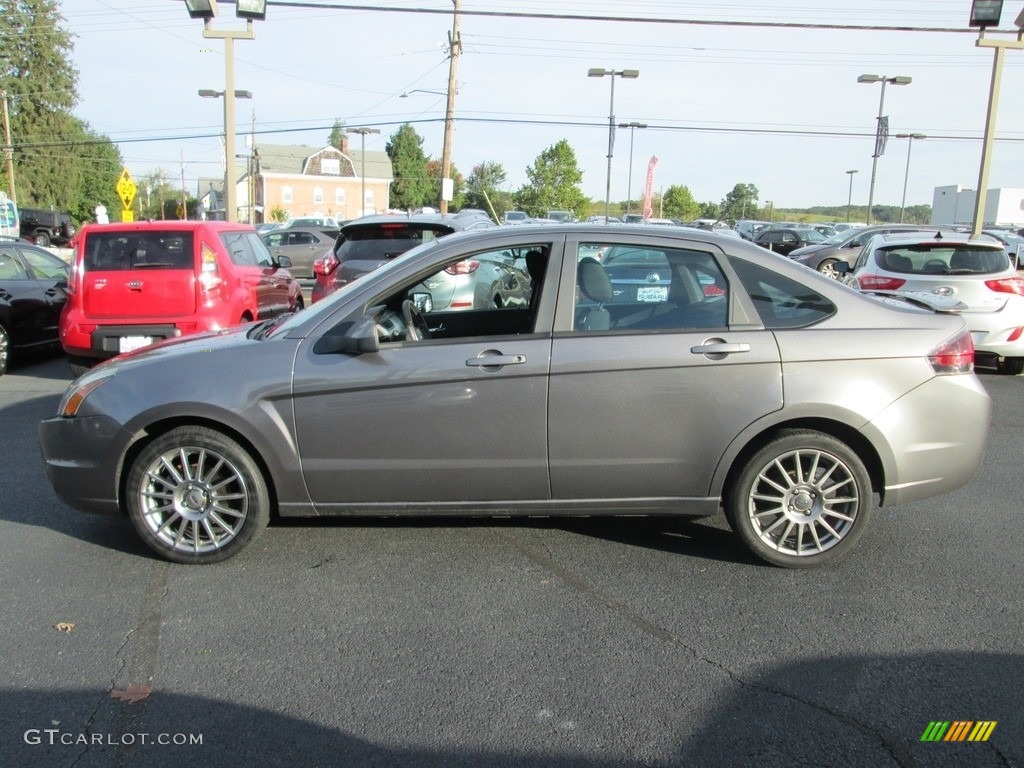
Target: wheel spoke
{"x":173,"y":472}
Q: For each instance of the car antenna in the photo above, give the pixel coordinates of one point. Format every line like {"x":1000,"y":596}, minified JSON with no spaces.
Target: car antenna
{"x":938,"y":235}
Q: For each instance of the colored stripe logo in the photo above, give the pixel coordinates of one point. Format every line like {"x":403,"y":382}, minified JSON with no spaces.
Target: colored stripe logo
{"x":958,"y":730}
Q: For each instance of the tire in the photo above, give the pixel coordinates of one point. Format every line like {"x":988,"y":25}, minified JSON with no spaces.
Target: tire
{"x":80,"y":365}
{"x":196,"y":496}
{"x":300,"y":303}
{"x":5,"y":350}
{"x":1011,"y":366}
{"x":801,"y":501}
{"x":42,"y":239}
{"x":827,"y":268}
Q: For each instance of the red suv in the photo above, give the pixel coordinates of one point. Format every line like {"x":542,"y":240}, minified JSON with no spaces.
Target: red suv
{"x":136,"y":283}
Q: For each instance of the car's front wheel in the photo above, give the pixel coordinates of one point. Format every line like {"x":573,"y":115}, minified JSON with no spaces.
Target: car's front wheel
{"x":197,"y":496}
{"x":5,"y":350}
{"x":802,"y":500}
{"x":828,"y":269}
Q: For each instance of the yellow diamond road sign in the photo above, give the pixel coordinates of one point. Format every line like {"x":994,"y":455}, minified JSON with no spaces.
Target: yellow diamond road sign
{"x":125,"y":188}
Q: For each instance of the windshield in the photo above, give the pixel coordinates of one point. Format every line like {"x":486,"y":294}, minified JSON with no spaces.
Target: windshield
{"x":385,"y":241}
{"x":837,"y":238}
{"x":813,"y":236}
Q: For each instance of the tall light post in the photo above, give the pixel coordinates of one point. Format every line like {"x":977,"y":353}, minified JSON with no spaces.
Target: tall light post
{"x":849,"y":199}
{"x":630,"y":74}
{"x":629,"y":183}
{"x":229,"y":146}
{"x":906,"y":174}
{"x":986,"y":13}
{"x":244,"y":9}
{"x":362,"y":172}
{"x":881,"y":128}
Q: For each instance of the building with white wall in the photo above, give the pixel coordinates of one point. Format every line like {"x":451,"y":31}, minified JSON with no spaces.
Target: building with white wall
{"x":955,"y":205}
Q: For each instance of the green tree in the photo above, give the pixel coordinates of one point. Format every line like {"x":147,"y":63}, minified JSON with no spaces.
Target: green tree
{"x":413,"y":187}
{"x":337,"y":134}
{"x":483,"y":189}
{"x":99,"y":163}
{"x":678,"y":203}
{"x":709,"y":210}
{"x":554,"y":177}
{"x":41,"y":84}
{"x":740,"y":203}
{"x":458,"y":183}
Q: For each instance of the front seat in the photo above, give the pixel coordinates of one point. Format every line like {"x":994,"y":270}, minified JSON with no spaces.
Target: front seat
{"x":593,"y":283}
{"x":536,"y":263}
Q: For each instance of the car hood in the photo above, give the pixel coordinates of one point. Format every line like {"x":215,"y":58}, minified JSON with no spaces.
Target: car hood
{"x":183,"y":345}
{"x":805,"y":249}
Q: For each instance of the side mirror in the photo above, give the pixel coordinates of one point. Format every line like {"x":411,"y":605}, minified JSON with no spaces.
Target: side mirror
{"x":349,"y":339}
{"x":842,"y":267}
{"x":283,"y":262}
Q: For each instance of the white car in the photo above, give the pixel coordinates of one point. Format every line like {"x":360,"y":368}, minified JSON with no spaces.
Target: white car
{"x":977,"y":273}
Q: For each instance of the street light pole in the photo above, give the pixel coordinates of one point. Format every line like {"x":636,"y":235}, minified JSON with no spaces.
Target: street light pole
{"x":362,"y":172}
{"x":629,"y":183}
{"x":849,"y":199}
{"x":982,"y":16}
{"x":906,"y":174}
{"x":879,"y":135}
{"x":631,"y":74}
{"x":248,"y":10}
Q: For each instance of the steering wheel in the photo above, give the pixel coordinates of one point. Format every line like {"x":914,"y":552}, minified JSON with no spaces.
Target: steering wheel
{"x":416,"y":326}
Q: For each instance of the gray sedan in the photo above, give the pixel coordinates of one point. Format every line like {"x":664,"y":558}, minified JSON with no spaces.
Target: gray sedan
{"x":750,"y":384}
{"x":302,"y":245}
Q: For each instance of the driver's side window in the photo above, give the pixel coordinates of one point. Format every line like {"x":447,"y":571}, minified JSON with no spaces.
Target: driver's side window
{"x":490,"y":293}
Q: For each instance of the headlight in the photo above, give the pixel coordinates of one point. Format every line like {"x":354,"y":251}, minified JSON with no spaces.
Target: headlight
{"x":77,"y":393}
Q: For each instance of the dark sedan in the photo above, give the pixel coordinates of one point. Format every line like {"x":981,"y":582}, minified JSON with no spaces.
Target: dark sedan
{"x":32,"y":295}
{"x":784,"y":240}
{"x":780,"y":395}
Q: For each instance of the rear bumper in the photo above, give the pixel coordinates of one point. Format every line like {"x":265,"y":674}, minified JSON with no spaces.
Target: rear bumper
{"x":934,"y":438}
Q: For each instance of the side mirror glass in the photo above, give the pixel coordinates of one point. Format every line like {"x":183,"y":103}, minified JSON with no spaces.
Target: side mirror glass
{"x":355,"y":338}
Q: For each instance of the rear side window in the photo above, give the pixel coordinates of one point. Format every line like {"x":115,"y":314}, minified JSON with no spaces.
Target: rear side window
{"x":246,"y":249}
{"x":947,"y":259}
{"x":780,"y":301}
{"x":152,"y":250}
{"x":385,"y":241}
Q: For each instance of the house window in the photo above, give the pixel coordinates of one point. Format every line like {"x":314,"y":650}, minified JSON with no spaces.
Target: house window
{"x":368,"y":200}
{"x":339,"y":196}
{"x":330,"y":166}
{"x":286,"y":194}
{"x":318,"y":195}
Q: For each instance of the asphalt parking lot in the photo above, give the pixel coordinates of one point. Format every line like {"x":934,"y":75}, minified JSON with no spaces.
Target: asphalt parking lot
{"x":541,"y":642}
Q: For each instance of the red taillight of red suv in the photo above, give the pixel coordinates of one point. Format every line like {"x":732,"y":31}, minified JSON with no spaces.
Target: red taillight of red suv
{"x":954,"y":355}
{"x":209,"y":275}
{"x":326,"y":264}
{"x":1013,"y":285}
{"x":879,"y":283}
{"x":464,"y":267}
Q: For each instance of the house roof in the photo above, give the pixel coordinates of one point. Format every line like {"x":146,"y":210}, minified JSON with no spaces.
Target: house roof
{"x":292,"y":158}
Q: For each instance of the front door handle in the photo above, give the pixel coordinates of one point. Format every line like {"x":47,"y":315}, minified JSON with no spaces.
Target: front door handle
{"x":496,"y":360}
{"x":719,"y":348}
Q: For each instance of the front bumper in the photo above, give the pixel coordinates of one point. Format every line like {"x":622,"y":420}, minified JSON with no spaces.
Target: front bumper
{"x":83,"y":458}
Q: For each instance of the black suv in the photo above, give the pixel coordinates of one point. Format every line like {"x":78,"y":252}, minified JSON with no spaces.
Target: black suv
{"x":44,"y":227}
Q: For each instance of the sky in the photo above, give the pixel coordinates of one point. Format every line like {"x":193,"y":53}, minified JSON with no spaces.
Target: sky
{"x":759,"y":94}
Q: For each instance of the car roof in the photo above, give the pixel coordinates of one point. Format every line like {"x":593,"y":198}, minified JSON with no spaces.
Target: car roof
{"x":453,"y":221}
{"x":172,"y":225}
{"x":932,"y":238}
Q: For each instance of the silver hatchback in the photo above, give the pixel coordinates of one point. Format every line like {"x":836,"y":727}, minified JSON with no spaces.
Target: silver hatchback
{"x":977,"y":273}
{"x":750,"y":384}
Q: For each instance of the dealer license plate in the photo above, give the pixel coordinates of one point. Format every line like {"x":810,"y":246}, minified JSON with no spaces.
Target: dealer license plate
{"x":128,"y":343}
{"x":652,"y":293}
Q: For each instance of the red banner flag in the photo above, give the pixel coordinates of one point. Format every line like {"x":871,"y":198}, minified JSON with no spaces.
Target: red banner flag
{"x":648,"y":210}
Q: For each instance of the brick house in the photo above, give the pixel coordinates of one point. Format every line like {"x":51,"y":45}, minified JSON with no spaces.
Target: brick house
{"x":305,"y":181}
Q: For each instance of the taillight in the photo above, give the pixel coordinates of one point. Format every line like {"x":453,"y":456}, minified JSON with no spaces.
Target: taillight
{"x":326,"y":264}
{"x":1007,"y":285}
{"x":879,"y":283}
{"x":464,"y":267}
{"x":954,"y":355}
{"x":1015,"y":333}
{"x":73,"y":275}
{"x":209,"y":275}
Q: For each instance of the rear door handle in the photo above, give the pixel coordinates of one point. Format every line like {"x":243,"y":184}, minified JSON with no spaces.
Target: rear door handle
{"x":495,"y":361}
{"x":720,"y":348}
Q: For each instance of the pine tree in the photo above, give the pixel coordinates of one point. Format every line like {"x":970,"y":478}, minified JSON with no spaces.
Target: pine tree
{"x":413,"y":188}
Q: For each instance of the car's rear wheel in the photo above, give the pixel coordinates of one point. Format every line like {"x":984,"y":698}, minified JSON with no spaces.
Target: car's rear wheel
{"x":828,"y":269}
{"x":80,"y":365}
{"x":5,"y":350}
{"x":1013,"y":366}
{"x":197,"y":496}
{"x":42,"y":239}
{"x":801,"y":501}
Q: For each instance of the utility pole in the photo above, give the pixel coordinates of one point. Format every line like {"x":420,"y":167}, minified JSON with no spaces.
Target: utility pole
{"x":454,"y":49}
{"x":8,"y":148}
{"x":183,"y":208}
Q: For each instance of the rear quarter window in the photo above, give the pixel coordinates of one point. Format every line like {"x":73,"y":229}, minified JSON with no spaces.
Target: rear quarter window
{"x":117,"y":251}
{"x":780,"y":301}
{"x":944,"y":260}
